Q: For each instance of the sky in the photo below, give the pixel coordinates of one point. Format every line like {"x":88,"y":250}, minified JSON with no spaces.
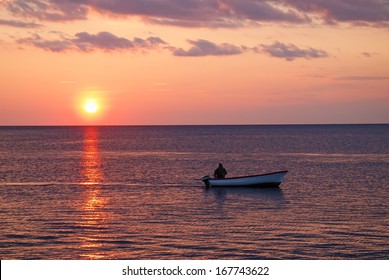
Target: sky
{"x":187,"y":62}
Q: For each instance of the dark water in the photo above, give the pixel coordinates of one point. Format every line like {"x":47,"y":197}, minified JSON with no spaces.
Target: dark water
{"x":129,"y":193}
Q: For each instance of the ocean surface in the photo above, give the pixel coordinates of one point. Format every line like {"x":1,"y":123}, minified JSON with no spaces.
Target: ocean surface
{"x":129,"y":192}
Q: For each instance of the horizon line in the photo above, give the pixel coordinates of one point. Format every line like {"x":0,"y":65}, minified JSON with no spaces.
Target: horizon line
{"x":126,"y":125}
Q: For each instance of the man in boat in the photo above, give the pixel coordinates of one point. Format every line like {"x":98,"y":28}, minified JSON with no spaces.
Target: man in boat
{"x":220,"y":172}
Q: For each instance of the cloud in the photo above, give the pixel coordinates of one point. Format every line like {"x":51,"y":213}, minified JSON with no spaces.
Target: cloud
{"x":290,"y":51}
{"x":50,"y":10}
{"x":108,"y":42}
{"x":263,"y":11}
{"x":369,"y":54}
{"x":280,"y":50}
{"x":209,"y":13}
{"x":21,"y":24}
{"x":344,"y":10}
{"x":86,"y":42}
{"x":188,"y":13}
{"x":205,"y":48}
{"x":198,"y":13}
{"x":36,"y":40}
{"x":103,"y":40}
{"x":216,"y":23}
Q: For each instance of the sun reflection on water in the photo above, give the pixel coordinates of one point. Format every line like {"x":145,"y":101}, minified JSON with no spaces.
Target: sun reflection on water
{"x":92,"y":164}
{"x":93,"y":208}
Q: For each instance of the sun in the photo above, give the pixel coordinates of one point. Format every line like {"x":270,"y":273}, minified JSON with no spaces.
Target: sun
{"x":91,"y":106}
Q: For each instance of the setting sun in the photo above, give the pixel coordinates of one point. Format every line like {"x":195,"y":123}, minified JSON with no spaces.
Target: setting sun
{"x":91,"y":106}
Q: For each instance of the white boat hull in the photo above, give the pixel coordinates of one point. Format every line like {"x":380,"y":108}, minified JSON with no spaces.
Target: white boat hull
{"x":264,"y":180}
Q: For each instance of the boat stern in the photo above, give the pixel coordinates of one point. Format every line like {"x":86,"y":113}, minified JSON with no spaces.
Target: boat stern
{"x":205,"y":179}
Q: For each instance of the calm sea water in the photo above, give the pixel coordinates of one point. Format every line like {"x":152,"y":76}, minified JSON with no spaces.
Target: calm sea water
{"x":129,"y":193}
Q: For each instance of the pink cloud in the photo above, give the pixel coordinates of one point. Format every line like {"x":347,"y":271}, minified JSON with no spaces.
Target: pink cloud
{"x":210,"y":13}
{"x":108,"y":42}
{"x":205,"y":48}
{"x":188,"y":13}
{"x":86,"y":42}
{"x":291,"y":52}
{"x":18,"y":23}
{"x":49,"y":10}
{"x":344,"y":10}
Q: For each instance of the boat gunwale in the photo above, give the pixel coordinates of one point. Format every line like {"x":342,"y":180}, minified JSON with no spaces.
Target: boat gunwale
{"x":248,"y":176}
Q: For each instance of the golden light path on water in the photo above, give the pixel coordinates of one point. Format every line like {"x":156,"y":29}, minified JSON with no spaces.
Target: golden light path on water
{"x":94,"y":216}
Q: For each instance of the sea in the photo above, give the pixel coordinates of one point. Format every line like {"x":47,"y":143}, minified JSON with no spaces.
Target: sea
{"x":129,"y":192}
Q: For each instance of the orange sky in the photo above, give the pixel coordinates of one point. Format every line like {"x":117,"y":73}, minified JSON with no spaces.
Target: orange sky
{"x":194,"y":62}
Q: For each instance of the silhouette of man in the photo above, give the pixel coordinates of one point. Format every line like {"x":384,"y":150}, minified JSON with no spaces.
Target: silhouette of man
{"x":220,"y":172}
